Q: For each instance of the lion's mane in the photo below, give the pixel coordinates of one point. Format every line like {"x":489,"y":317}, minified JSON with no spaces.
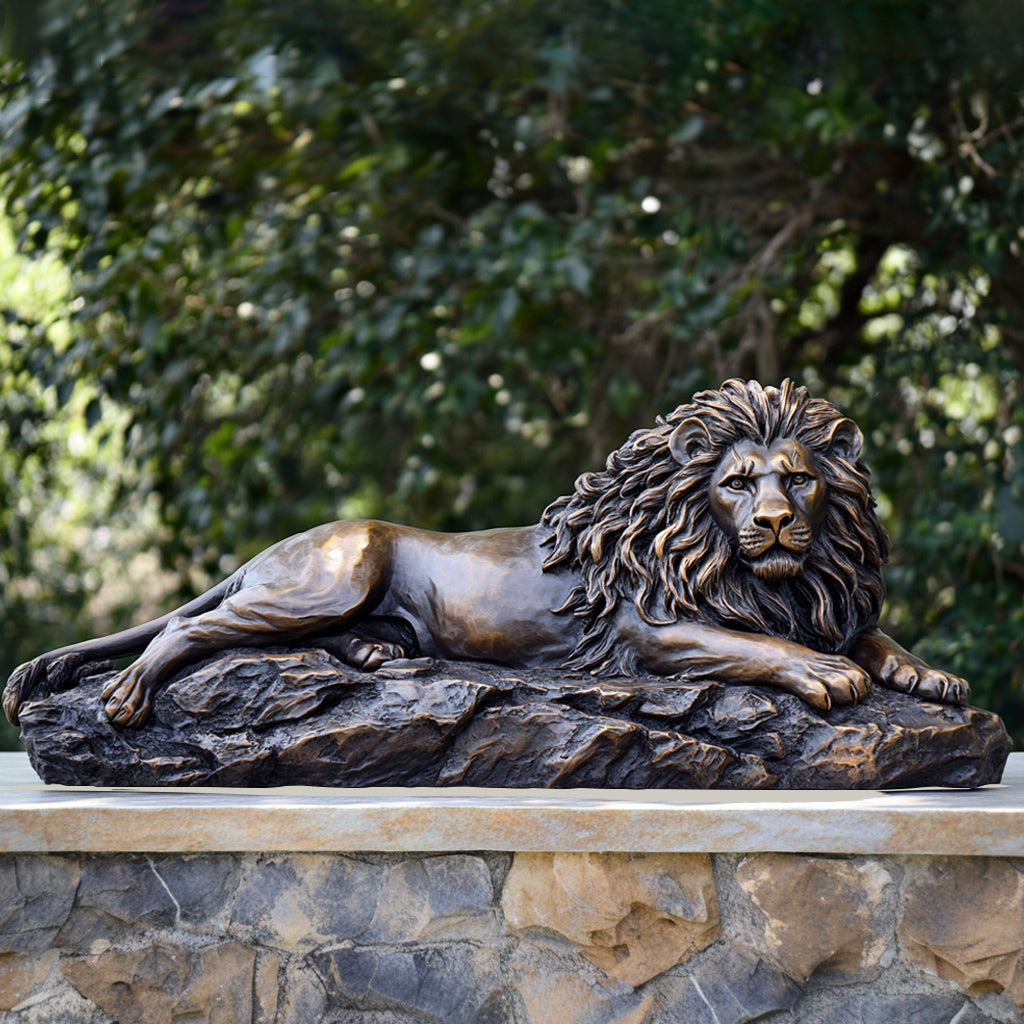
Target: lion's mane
{"x":642,"y":531}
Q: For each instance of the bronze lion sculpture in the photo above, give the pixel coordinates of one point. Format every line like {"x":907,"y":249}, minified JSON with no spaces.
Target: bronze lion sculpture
{"x":736,"y":539}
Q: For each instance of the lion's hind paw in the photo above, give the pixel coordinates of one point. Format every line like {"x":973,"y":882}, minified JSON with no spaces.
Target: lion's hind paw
{"x":368,"y":655}
{"x":127,"y":698}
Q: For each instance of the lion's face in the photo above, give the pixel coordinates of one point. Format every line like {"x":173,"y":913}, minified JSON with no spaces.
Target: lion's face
{"x":748,"y":508}
{"x":770,"y":501}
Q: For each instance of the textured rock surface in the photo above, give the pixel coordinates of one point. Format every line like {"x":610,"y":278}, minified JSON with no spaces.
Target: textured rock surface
{"x":21,"y":975}
{"x":497,"y":939}
{"x":220,"y":984}
{"x":634,"y":915}
{"x":818,"y":912}
{"x":269,"y":718}
{"x":729,"y":985}
{"x":943,"y":929}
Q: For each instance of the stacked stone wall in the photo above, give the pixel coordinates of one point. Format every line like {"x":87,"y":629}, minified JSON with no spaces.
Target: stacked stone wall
{"x":494,"y":938}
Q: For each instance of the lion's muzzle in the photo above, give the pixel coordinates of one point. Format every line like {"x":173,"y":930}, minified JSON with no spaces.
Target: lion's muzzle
{"x":775,"y":555}
{"x":794,"y":538}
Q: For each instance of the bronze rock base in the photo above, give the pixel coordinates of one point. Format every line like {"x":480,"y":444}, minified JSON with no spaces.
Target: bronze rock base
{"x":276,"y":717}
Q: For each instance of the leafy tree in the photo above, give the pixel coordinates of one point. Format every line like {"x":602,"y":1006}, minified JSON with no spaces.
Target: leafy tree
{"x":428,"y":261}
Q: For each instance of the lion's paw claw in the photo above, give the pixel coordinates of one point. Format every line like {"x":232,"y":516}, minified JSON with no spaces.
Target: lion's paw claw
{"x":926,"y":683}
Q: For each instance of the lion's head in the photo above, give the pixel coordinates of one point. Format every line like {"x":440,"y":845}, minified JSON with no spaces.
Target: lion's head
{"x":748,"y":508}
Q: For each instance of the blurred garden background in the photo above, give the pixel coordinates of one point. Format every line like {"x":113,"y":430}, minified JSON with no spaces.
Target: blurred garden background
{"x":267,"y":264}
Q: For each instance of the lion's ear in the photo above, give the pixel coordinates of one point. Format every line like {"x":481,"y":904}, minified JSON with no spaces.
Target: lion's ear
{"x":846,"y":440}
{"x":689,"y":439}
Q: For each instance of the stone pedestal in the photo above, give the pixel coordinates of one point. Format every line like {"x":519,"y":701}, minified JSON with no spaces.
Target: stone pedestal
{"x":462,"y":906}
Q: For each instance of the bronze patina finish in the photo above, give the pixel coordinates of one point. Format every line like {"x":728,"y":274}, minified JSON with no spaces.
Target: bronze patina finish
{"x":737,"y":539}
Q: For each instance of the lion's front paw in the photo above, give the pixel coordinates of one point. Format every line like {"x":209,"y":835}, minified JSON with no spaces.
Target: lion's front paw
{"x":127,"y":698}
{"x":911,"y":675}
{"x":827,"y":680}
{"x":22,"y":686}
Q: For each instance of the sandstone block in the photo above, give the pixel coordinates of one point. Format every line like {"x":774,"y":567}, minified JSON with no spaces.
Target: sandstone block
{"x":22,"y":976}
{"x":634,"y":915}
{"x":818,"y":912}
{"x":57,"y":1002}
{"x":165,"y":984}
{"x":963,"y":920}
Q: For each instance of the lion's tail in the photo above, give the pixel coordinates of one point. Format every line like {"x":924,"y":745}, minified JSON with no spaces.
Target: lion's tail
{"x":135,"y":639}
{"x":60,"y":669}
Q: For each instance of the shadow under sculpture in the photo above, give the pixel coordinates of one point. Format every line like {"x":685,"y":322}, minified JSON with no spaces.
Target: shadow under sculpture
{"x":701,"y":613}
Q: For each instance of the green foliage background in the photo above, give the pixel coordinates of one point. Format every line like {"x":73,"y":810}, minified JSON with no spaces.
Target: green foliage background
{"x":280,"y":263}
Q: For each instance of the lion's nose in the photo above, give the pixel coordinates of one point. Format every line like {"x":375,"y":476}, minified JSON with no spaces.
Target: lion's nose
{"x":775,"y":520}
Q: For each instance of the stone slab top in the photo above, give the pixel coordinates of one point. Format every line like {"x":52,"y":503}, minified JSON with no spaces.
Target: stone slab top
{"x":38,"y":818}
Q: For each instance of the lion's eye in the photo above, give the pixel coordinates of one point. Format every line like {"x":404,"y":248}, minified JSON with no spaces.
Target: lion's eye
{"x":736,"y":483}
{"x":799,"y":479}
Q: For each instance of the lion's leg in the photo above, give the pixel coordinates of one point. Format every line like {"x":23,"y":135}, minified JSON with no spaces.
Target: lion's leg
{"x":313,"y":584}
{"x":895,"y":667}
{"x":60,"y":669}
{"x":698,"y":650}
{"x":255,"y":616}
